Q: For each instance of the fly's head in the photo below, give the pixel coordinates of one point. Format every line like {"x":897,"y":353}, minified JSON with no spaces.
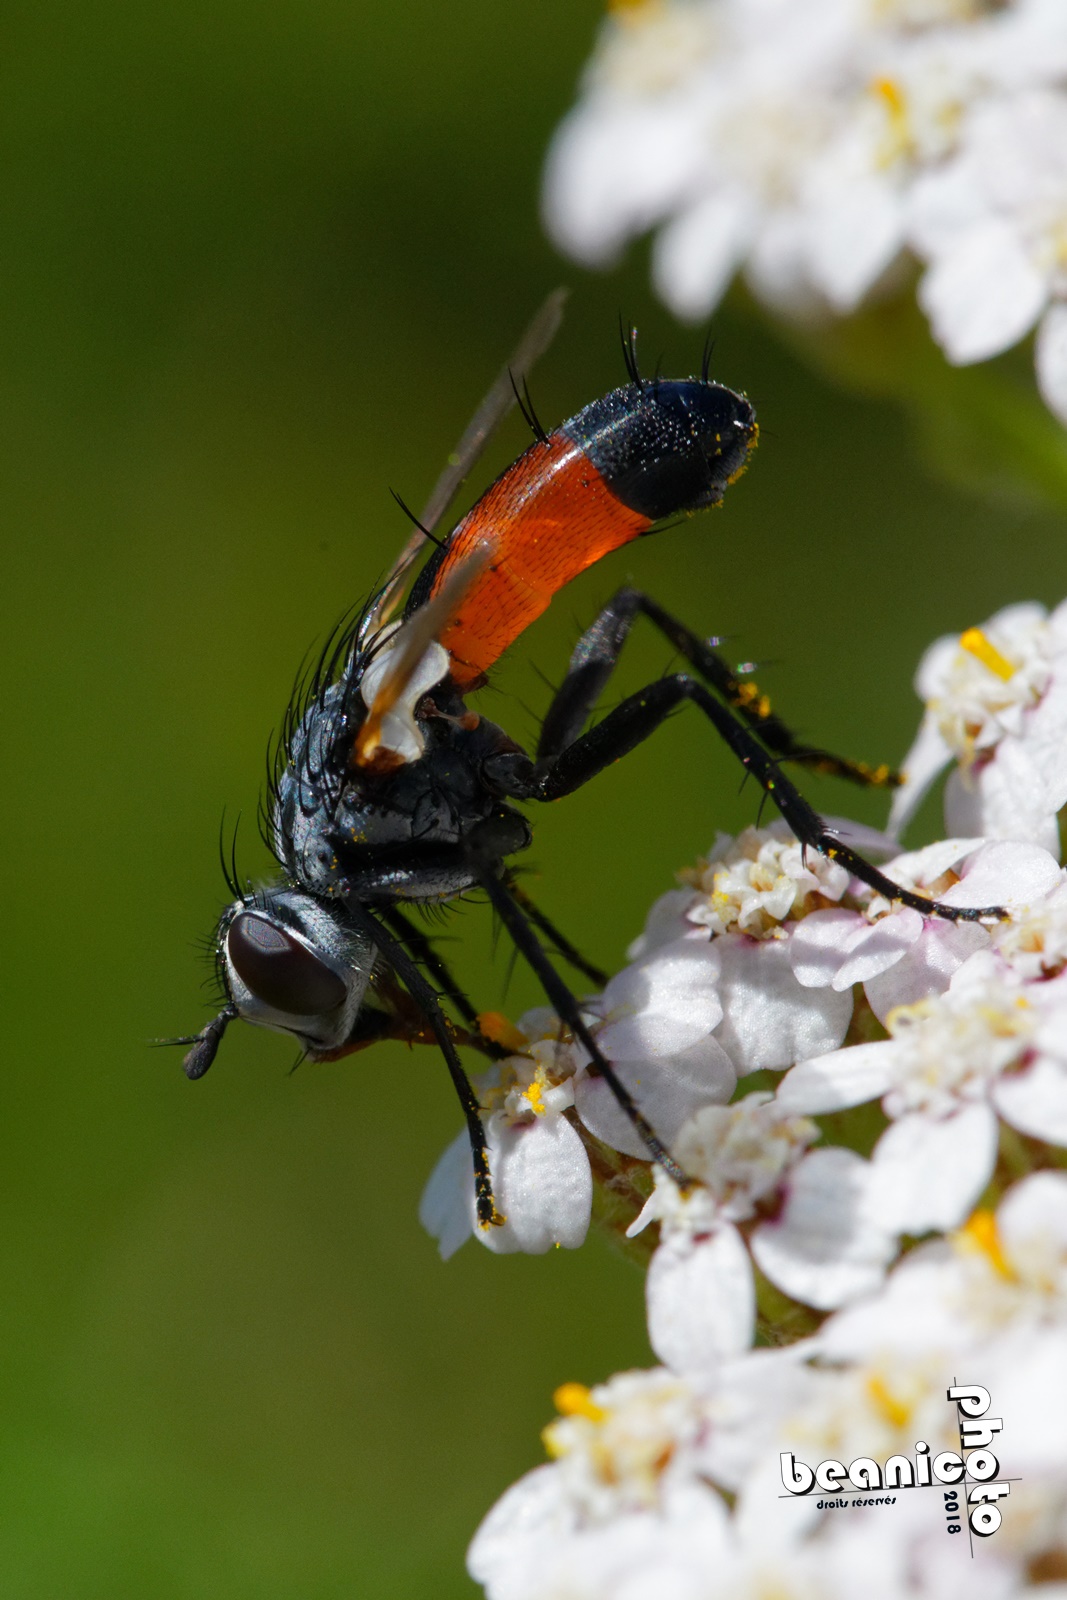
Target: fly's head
{"x":290,"y":962}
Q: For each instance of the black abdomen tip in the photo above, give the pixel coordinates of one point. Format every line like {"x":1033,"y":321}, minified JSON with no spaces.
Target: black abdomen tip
{"x":668,"y":444}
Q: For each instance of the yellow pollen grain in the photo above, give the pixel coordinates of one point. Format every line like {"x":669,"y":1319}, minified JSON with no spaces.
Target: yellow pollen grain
{"x":574,"y":1400}
{"x":536,"y":1099}
{"x":974,"y":641}
{"x":889,"y":91}
{"x":979,"y":1233}
{"x":494,"y":1025}
{"x":894,"y":1410}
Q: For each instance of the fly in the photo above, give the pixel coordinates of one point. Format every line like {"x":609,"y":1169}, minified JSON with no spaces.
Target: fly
{"x":390,"y":791}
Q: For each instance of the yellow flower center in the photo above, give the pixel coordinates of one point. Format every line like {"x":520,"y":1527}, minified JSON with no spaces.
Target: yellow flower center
{"x":979,"y":1235}
{"x":882,"y":1398}
{"x":974,"y":641}
{"x":575,"y":1400}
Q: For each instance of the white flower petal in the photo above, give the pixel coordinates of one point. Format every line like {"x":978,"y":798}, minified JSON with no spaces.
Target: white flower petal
{"x":1035,"y":1100}
{"x":826,"y":1249}
{"x":933,"y":860}
{"x":872,"y":842}
{"x":945,"y":203}
{"x":853,"y":236}
{"x":447,"y":1200}
{"x":1046,"y":736}
{"x":820,"y":943}
{"x":839,"y":1079}
{"x":983,"y":294}
{"x":769,"y":1019}
{"x":664,"y":924}
{"x":613,"y":171}
{"x":1032,"y":1225}
{"x":914,"y":1309}
{"x":543,"y":1186}
{"x":879,"y":946}
{"x":697,"y":253}
{"x":1005,"y":873}
{"x":668,"y":1090}
{"x":1050,"y":359}
{"x":928,"y":1174}
{"x":701,"y":1300}
{"x":927,"y":968}
{"x":926,"y":758}
{"x":1003,"y":799}
{"x":662,"y":1005}
{"x":527,"y":1517}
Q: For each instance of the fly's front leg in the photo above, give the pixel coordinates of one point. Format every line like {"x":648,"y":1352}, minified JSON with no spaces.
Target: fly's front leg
{"x":597,"y":651}
{"x":567,"y":1008}
{"x":392,"y":952}
{"x":630,"y":723}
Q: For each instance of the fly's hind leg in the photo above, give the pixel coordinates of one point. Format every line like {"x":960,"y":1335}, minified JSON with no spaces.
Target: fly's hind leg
{"x":631,"y":722}
{"x":594,"y":659}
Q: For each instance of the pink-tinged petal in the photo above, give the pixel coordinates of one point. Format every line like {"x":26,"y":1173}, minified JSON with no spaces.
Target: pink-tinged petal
{"x":769,"y":1019}
{"x":928,"y":1174}
{"x":932,"y":861}
{"x":701,"y":1300}
{"x":1035,"y":1100}
{"x":820,"y":943}
{"x":1005,"y":873}
{"x":927,"y":968}
{"x":662,"y":1005}
{"x":926,"y":758}
{"x":543,"y":1187}
{"x":447,"y":1200}
{"x":983,"y":294}
{"x":664,"y":924}
{"x":668,"y":1090}
{"x":825,"y":1249}
{"x":870,"y":842}
{"x":1050,"y":359}
{"x":880,"y":945}
{"x":695,"y":255}
{"x":838,"y":1080}
{"x":1003,"y":799}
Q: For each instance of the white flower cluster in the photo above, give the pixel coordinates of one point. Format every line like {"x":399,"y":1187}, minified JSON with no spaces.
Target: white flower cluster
{"x":814,"y":142}
{"x":668,"y":1482}
{"x":938,"y":1257}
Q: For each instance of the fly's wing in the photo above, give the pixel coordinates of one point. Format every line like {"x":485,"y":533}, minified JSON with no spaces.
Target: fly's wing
{"x":408,"y":664}
{"x":484,"y":423}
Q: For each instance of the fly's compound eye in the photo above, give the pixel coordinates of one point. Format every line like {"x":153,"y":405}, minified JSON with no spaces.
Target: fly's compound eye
{"x":279,"y":970}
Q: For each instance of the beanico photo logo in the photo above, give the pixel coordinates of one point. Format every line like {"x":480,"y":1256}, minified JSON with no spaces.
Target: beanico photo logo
{"x":974,"y":1467}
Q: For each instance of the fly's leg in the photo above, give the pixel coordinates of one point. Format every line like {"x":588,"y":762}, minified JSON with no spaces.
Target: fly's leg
{"x":598,"y":650}
{"x":392,"y":952}
{"x":423,"y":951}
{"x":567,"y":1008}
{"x":631,"y":722}
{"x":560,"y":943}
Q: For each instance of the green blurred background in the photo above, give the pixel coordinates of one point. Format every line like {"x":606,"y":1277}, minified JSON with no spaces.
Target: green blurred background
{"x":258,"y":264}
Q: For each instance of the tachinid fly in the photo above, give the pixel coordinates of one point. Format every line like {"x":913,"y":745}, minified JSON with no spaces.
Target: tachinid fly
{"x":390,"y":790}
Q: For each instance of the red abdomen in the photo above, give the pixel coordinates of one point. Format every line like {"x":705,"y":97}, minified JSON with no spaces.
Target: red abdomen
{"x":604,"y":477}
